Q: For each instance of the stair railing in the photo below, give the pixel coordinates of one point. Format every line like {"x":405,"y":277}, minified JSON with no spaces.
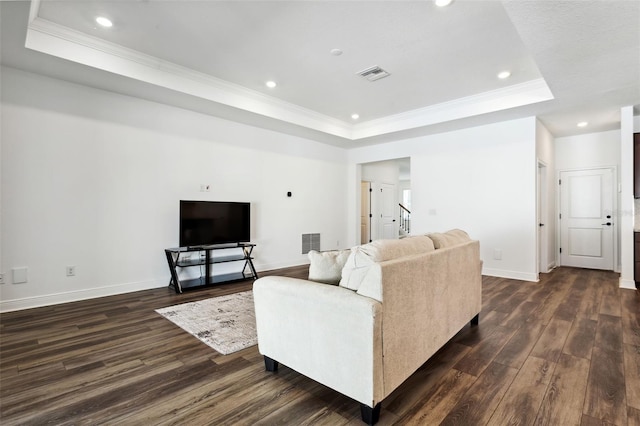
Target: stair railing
{"x":405,"y":219}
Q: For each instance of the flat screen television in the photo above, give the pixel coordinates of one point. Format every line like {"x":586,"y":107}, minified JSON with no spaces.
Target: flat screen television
{"x":205,"y":223}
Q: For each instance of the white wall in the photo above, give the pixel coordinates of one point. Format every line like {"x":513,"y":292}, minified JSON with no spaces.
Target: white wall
{"x":482,"y":180}
{"x":588,"y":150}
{"x":93,"y":179}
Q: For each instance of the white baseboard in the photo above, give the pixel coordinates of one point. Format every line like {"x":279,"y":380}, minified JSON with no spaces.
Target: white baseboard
{"x":628,"y":284}
{"x":92,"y":293}
{"x":74,"y":296}
{"x":515,"y":275}
{"x":280,"y":265}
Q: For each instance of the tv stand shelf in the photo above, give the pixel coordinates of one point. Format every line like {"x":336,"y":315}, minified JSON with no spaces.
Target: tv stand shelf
{"x":205,"y":259}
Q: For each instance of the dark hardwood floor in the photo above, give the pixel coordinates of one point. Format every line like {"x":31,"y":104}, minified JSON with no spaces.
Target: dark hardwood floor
{"x":564,"y":351}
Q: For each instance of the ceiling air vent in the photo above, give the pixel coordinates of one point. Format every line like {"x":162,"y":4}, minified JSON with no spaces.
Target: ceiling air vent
{"x":373,"y":73}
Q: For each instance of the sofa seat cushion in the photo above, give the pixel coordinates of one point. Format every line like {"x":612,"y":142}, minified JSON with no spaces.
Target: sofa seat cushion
{"x":362,"y":257}
{"x":450,"y":238}
{"x":326,"y":266}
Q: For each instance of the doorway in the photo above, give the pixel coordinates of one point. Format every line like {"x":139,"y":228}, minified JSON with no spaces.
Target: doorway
{"x":542,"y":215}
{"x":365,"y":212}
{"x":586,"y":218}
{"x":379,"y":199}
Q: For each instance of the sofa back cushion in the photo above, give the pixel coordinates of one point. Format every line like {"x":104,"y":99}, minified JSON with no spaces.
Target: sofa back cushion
{"x":362,"y":257}
{"x":450,"y":238}
{"x":326,"y":266}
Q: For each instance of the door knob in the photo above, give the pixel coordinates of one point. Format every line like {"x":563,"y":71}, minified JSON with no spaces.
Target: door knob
{"x":608,"y":223}
{"x":541,"y":224}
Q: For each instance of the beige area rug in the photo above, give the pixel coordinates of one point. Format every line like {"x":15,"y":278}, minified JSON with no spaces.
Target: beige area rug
{"x":225,"y":323}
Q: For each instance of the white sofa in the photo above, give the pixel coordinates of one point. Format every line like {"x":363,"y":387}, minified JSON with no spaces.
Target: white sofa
{"x":396,"y":303}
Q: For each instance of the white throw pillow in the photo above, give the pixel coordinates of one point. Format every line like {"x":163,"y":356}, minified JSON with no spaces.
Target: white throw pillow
{"x":326,"y":266}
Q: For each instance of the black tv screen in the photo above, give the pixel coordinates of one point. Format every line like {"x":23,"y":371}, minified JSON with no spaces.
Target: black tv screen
{"x":204,"y":223}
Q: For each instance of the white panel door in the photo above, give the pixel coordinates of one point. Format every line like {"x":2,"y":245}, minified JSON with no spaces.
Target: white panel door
{"x":388,"y":223}
{"x":586,"y":221}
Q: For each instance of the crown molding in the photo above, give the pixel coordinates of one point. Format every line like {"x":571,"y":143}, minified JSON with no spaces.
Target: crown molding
{"x":513,"y":96}
{"x":57,"y":40}
{"x":63,"y":42}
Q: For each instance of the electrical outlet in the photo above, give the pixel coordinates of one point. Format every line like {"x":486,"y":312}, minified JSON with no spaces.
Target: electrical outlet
{"x":71,"y":271}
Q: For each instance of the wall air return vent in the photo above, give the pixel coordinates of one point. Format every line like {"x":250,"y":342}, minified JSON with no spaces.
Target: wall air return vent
{"x":373,"y":73}
{"x":310,"y":242}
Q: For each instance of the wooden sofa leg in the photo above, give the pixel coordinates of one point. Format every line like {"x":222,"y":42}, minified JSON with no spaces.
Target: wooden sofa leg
{"x":475,"y":320}
{"x":270,"y":364}
{"x":370,"y":415}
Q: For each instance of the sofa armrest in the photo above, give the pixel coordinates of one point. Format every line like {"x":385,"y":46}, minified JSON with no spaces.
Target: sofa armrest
{"x":325,"y":332}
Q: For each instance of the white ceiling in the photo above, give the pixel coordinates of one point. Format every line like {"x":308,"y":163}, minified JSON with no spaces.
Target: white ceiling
{"x":570,"y":60}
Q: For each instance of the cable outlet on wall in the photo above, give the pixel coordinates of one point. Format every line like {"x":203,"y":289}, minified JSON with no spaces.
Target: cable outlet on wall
{"x":71,"y":271}
{"x":205,"y":187}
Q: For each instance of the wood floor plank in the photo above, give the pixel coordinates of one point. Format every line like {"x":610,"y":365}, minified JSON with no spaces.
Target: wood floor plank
{"x":630,"y":301}
{"x":551,"y":341}
{"x":562,"y":403}
{"x":581,"y":338}
{"x":445,"y":396}
{"x":590,"y":421}
{"x":522,"y":400}
{"x":592,"y":297}
{"x":479,"y":402}
{"x":484,"y":352}
{"x":609,"y":333}
{"x":632,"y":375}
{"x":421,"y":385}
{"x":517,"y":349}
{"x":606,"y":394}
{"x":633,"y":417}
{"x":570,"y":301}
{"x":610,"y":304}
{"x":555,"y":293}
{"x":471,"y":336}
{"x":520,"y":315}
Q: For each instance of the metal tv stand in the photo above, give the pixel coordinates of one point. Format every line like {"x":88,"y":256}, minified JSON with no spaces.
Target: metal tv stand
{"x":176,"y":259}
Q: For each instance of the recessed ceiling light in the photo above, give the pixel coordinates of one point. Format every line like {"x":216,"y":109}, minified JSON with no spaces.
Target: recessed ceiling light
{"x":504,"y":74}
{"x":355,"y":116}
{"x":336,"y":52}
{"x":583,"y":124}
{"x":105,"y":22}
{"x":442,"y":3}
{"x":271,"y":84}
